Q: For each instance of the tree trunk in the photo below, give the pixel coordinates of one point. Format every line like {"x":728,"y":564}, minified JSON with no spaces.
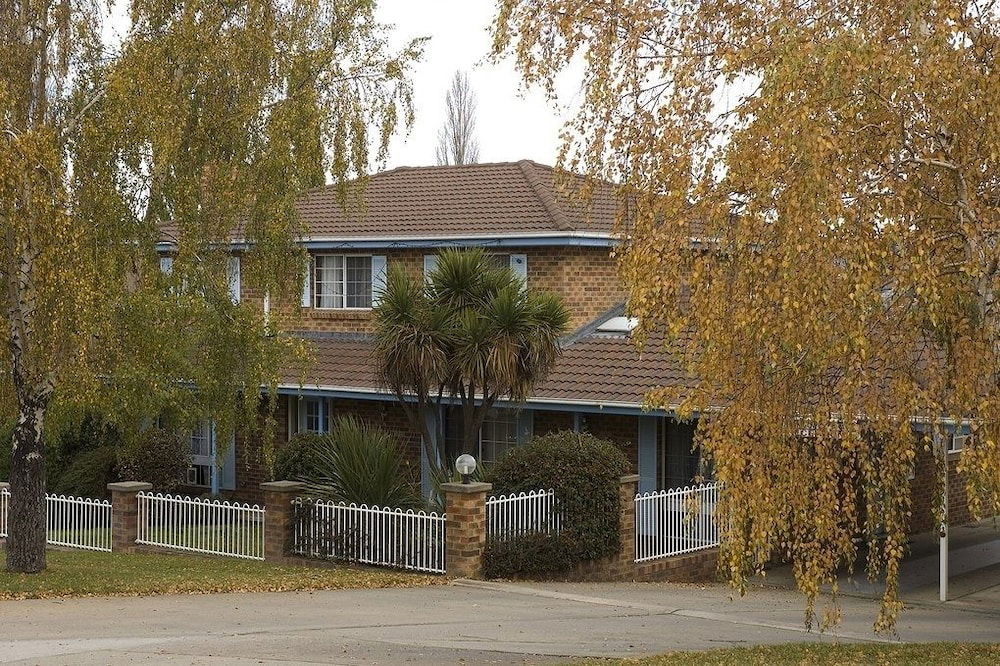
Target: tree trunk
{"x":26,"y":516}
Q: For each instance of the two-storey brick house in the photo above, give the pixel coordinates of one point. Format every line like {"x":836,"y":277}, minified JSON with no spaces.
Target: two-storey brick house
{"x":553,"y":241}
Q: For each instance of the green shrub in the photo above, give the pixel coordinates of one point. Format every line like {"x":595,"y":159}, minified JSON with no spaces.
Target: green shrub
{"x":160,"y":457}
{"x":295,"y":459}
{"x":527,"y":556}
{"x":88,"y":474}
{"x":585,"y":473}
{"x":362,"y":464}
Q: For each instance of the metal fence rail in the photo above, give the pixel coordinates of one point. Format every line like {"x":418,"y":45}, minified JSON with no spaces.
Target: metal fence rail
{"x":78,"y":522}
{"x":676,"y":521}
{"x":74,"y":522}
{"x":369,"y":535}
{"x":201,"y":525}
{"x":512,"y":515}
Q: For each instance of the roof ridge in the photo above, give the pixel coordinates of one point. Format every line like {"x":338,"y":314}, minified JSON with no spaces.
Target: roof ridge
{"x":544,"y":195}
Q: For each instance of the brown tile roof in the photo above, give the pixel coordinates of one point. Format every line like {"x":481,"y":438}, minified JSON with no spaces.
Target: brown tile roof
{"x":594,"y":368}
{"x":471,"y":200}
{"x":608,"y":368}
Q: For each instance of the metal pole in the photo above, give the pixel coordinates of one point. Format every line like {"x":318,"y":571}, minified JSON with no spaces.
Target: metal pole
{"x":943,"y":534}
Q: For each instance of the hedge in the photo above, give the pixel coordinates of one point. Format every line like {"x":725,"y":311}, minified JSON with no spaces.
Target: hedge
{"x":585,"y":474}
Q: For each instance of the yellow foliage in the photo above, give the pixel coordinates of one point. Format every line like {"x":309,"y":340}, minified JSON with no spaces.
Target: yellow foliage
{"x":813,"y":227}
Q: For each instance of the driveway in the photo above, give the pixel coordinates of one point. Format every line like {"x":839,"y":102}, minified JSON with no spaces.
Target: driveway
{"x":462,"y":623}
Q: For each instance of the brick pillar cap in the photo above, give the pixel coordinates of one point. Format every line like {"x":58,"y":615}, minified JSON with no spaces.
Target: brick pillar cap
{"x":630,"y":478}
{"x":129,"y":486}
{"x":282,"y":486}
{"x":467,"y":488}
{"x":4,"y":484}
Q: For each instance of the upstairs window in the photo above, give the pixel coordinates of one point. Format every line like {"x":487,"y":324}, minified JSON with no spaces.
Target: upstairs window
{"x":343,"y":282}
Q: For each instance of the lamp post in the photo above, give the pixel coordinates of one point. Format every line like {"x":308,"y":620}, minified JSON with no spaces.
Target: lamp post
{"x":465,"y":465}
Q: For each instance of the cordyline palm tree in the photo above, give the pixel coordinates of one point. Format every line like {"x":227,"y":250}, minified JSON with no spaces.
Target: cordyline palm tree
{"x":467,"y":334}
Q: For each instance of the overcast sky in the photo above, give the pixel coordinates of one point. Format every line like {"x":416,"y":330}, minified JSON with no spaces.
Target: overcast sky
{"x":511,"y":124}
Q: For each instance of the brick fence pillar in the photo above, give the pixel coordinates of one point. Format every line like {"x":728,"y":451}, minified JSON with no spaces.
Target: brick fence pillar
{"x":465,"y":528}
{"x":125,"y":514}
{"x":278,"y":518}
{"x":626,"y":523}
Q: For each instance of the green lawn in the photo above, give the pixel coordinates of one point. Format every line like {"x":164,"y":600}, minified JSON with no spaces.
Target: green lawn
{"x":84,"y":574}
{"x":811,"y":654}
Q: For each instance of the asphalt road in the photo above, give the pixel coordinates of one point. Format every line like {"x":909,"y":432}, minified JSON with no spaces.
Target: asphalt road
{"x":462,"y":623}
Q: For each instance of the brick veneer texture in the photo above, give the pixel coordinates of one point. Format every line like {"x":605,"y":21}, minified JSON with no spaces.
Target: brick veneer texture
{"x":586,"y":278}
{"x":923,"y":489}
{"x":465,"y":528}
{"x":125,"y":514}
{"x":278,"y":518}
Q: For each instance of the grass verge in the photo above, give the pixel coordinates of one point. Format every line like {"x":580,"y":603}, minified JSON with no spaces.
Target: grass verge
{"x":816,"y":654}
{"x":90,"y":574}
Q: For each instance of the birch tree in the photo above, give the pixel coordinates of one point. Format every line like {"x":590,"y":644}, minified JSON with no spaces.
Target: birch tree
{"x":197,"y":125}
{"x":457,"y":143}
{"x":813,"y":228}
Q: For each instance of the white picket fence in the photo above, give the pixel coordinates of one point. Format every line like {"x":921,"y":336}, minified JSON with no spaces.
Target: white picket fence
{"x":676,"y":521}
{"x":512,"y":515}
{"x":201,"y":525}
{"x":369,"y":535}
{"x":73,"y":522}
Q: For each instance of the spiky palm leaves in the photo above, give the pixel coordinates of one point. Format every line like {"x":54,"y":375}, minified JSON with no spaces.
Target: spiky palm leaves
{"x":469,"y":332}
{"x":358,"y":463}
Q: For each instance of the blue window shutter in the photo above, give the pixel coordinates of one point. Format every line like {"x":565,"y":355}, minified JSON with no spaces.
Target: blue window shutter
{"x":430,"y":263}
{"x":300,"y":408}
{"x":166,"y":265}
{"x":647,"y":453}
{"x":306,"y":284}
{"x":519,"y":266}
{"x":233,"y":272}
{"x":378,"y":278}
{"x":229,"y":465}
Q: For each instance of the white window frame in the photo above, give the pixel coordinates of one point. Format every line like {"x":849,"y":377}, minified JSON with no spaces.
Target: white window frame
{"x":957,"y":442}
{"x":317,"y":295}
{"x":511,"y":417}
{"x":322,"y":416}
{"x":201,"y":433}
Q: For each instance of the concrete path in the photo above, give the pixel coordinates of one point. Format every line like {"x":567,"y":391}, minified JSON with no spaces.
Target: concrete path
{"x":464,"y":623}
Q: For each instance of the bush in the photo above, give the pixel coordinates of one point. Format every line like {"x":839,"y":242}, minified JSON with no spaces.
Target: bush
{"x":585,"y":473}
{"x":295,"y":460}
{"x":528,"y":556}
{"x":359,"y":463}
{"x":160,"y":457}
{"x":88,"y":474}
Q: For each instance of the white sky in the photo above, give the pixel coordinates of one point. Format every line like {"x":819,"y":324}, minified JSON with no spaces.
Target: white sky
{"x":511,"y":124}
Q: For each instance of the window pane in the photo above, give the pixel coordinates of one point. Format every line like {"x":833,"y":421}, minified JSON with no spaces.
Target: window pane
{"x":498,"y":434}
{"x":329,"y":281}
{"x":200,"y":444}
{"x":359,"y":282}
{"x":500,"y":260}
{"x":312,"y":416}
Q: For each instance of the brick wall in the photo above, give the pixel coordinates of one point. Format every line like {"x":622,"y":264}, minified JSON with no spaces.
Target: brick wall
{"x":251,"y":470}
{"x":622,"y":429}
{"x":585,"y":277}
{"x":923,"y":489}
{"x":546,"y":422}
